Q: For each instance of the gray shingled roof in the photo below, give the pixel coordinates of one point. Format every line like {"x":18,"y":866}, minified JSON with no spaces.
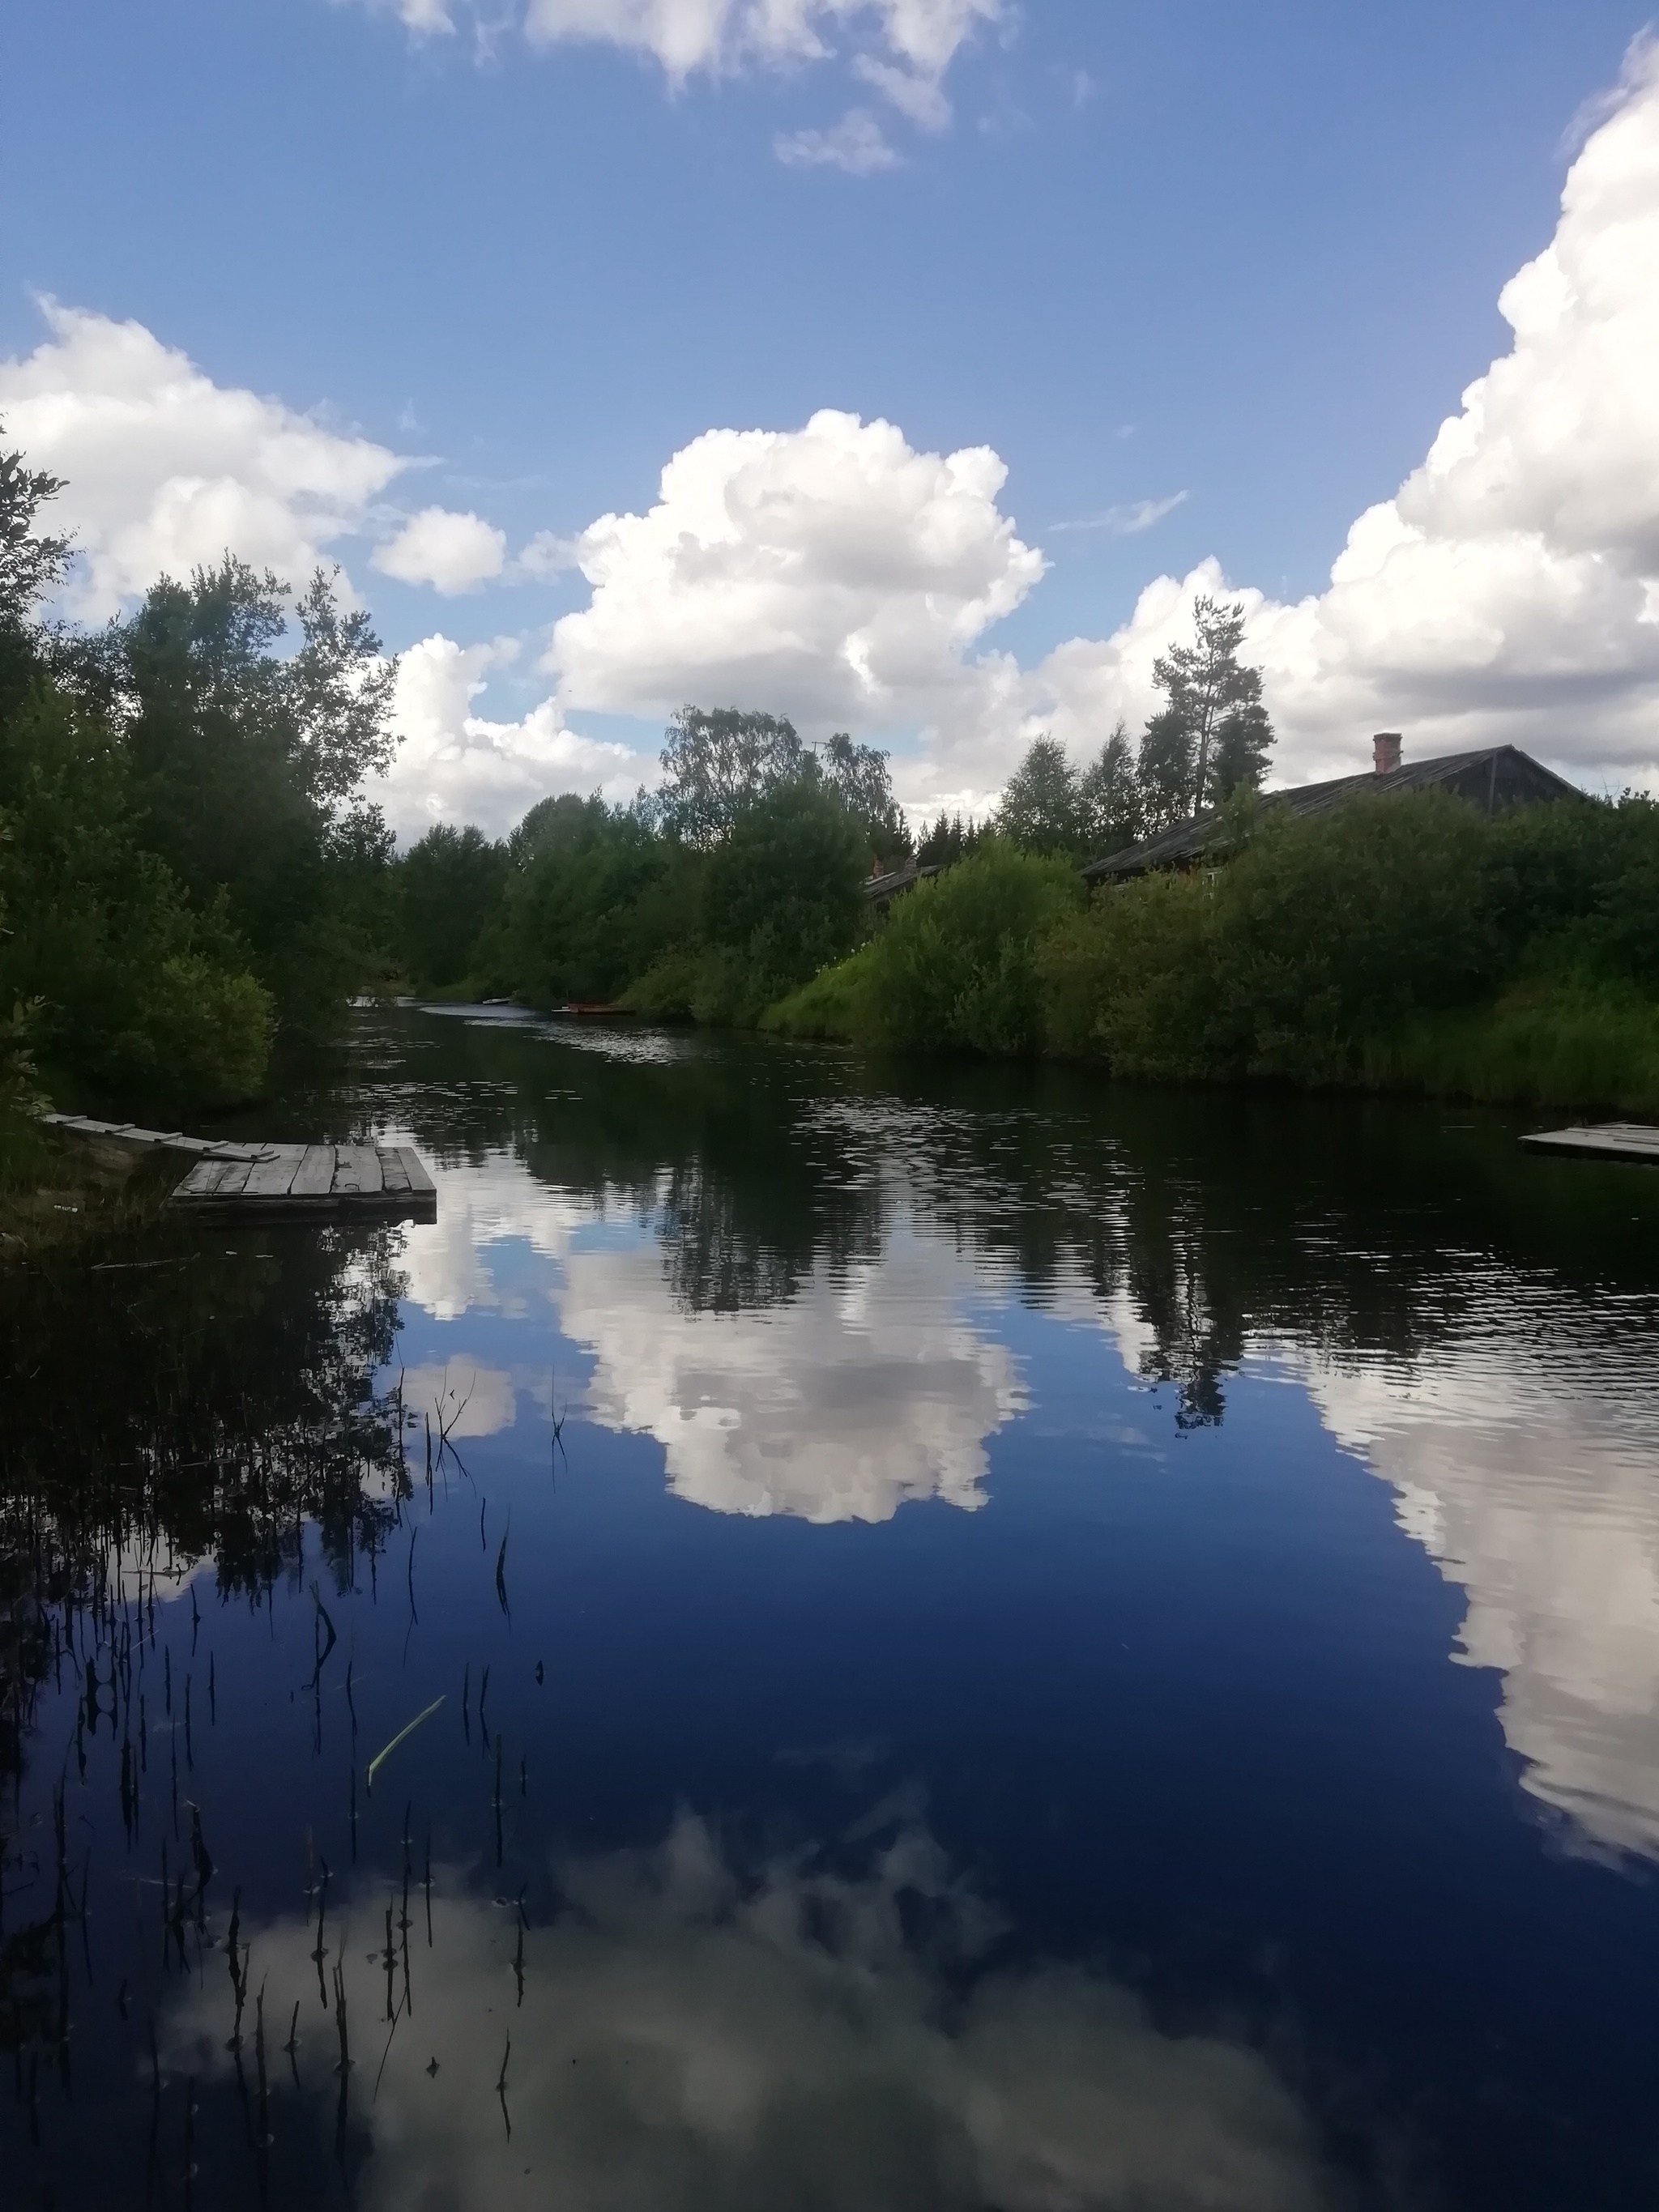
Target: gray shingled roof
{"x":1498,"y":777}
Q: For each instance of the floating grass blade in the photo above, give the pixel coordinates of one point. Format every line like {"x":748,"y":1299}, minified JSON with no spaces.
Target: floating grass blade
{"x":387,"y":1752}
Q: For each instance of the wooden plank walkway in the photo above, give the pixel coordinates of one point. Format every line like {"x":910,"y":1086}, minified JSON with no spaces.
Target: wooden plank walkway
{"x":306,"y":1180}
{"x":293,"y":1181}
{"x":1603,"y":1140}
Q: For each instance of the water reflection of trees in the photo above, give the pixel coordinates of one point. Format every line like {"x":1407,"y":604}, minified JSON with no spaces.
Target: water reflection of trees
{"x":171,"y":1402}
{"x":1203,"y":1219}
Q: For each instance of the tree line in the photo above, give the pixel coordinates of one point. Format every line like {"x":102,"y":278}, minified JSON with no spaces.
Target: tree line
{"x":188,"y":864}
{"x":191,"y":876}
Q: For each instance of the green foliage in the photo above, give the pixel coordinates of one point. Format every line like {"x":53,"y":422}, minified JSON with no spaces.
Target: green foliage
{"x":832,"y":1004}
{"x":1041,"y":809}
{"x":1554,"y":1041}
{"x":707,"y":904}
{"x":1214,"y":722}
{"x":955,"y":968}
{"x":1048,"y":807}
{"x":1113,"y":812}
{"x":594,"y":894}
{"x":187,"y":861}
{"x":716,"y":760}
{"x":1581,"y":886}
{"x":243,"y":761}
{"x":135,"y":995}
{"x":783,"y":895}
{"x":448,"y":886}
{"x":1320,"y":934}
{"x":1133,"y":980}
{"x":948,"y":840}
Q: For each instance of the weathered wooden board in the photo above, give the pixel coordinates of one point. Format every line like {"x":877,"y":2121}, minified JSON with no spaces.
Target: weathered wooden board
{"x":172,"y":1140}
{"x":1606,"y":1141}
{"x":271,"y":1178}
{"x":357,"y":1171}
{"x":205,"y":1179}
{"x":420,"y":1183}
{"x":394,"y":1175}
{"x":315,"y":1176}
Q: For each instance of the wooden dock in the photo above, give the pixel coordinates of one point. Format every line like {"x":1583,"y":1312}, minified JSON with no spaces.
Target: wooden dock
{"x":1601,"y":1140}
{"x":298,"y":1182}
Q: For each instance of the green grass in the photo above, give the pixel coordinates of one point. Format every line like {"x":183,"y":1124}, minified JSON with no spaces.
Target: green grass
{"x":831,"y":1005}
{"x":59,"y":1192}
{"x":1561,"y":1042}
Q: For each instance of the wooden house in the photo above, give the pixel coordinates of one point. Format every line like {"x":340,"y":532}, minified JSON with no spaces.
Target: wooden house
{"x":1494,"y":780}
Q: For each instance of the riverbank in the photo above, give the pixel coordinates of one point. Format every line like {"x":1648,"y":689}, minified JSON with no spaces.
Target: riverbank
{"x":1543,"y":1044}
{"x":56,"y":1193}
{"x":1407,"y":945}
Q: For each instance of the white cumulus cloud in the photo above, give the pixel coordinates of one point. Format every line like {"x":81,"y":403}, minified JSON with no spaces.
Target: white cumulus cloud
{"x":1509,"y":590}
{"x":452,"y":552}
{"x":831,"y":572}
{"x":163,"y":469}
{"x":454,"y":765}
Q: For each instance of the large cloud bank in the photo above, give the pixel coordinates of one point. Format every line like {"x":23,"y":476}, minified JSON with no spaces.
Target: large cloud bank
{"x":163,"y":469}
{"x":832,"y":569}
{"x":1508,"y":592}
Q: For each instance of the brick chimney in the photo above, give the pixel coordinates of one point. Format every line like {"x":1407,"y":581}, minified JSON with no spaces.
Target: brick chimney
{"x":1385,"y":750}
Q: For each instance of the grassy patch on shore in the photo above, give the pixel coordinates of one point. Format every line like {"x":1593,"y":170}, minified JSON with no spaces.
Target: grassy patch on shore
{"x":58,"y":1193}
{"x":1561,"y":1042}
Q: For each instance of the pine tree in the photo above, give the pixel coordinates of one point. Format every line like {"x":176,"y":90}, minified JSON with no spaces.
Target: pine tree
{"x":1215,"y":712}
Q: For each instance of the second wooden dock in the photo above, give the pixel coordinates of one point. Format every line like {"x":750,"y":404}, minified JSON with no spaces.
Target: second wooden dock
{"x":1600,"y":1140}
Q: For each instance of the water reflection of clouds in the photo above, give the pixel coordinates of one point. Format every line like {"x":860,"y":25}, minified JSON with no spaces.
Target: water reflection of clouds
{"x":1528,"y":1472}
{"x":464,"y":1397}
{"x":871,"y":1386}
{"x":868,"y":1388}
{"x":688,"y":2041}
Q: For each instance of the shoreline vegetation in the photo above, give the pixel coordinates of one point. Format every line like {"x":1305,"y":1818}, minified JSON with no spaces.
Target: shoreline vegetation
{"x":194,"y":884}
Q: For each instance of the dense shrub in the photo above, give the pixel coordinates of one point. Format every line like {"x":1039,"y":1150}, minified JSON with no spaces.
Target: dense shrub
{"x":955,"y":967}
{"x":782,"y":894}
{"x":1321,"y":935}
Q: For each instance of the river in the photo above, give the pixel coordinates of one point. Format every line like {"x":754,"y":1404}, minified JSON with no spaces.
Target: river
{"x":841,"y":1637}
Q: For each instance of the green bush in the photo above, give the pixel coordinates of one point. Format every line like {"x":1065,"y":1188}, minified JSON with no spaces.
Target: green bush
{"x":1134,"y":979}
{"x":1285,"y":960}
{"x":831,"y":1005}
{"x":1567,"y":1042}
{"x":956,"y":968}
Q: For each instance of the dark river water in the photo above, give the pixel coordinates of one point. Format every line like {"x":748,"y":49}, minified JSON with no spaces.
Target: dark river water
{"x":841,"y":1637}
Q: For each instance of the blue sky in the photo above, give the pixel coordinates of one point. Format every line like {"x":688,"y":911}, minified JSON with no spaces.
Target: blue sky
{"x":1246,"y":259}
